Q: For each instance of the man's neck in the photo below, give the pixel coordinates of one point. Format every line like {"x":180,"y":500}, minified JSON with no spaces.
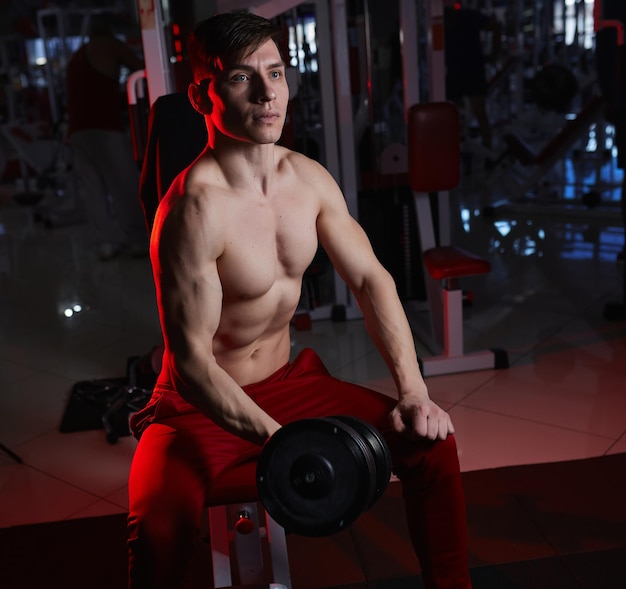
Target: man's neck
{"x":245,"y":165}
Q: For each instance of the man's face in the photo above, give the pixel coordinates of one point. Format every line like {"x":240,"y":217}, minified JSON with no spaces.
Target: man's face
{"x":249,"y":98}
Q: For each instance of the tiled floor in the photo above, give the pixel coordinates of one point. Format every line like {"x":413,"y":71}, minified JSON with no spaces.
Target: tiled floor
{"x":562,"y":398}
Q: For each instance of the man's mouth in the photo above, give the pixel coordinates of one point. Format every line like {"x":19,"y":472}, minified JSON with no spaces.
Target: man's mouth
{"x":266,"y":117}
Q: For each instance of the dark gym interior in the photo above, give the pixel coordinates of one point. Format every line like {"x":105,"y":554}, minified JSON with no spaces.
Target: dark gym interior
{"x":542,"y":442}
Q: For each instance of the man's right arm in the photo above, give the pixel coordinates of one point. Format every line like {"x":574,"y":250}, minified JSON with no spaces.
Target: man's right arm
{"x":184,"y":254}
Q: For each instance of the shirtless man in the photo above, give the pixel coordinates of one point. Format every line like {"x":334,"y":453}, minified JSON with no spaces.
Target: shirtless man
{"x":231,"y":241}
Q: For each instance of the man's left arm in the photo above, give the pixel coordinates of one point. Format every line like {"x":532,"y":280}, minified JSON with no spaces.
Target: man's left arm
{"x":352,"y":255}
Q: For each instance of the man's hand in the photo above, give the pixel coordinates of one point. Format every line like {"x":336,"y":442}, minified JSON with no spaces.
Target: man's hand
{"x":421,"y":417}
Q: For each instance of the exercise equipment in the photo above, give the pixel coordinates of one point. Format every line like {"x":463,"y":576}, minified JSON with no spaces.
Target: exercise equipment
{"x":526,"y":167}
{"x":45,"y":179}
{"x":316,"y":476}
{"x":434,"y":156}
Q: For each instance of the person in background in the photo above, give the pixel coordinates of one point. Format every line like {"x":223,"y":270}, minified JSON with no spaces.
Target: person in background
{"x":465,"y":60}
{"x":230,"y":243}
{"x":101,"y":145}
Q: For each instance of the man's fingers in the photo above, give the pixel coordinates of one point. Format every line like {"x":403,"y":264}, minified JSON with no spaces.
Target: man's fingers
{"x":425,"y":424}
{"x":397,"y":422}
{"x":438,"y":427}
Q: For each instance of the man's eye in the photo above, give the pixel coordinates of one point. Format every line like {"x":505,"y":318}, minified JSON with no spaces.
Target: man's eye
{"x":276,"y":74}
{"x":240,"y":78}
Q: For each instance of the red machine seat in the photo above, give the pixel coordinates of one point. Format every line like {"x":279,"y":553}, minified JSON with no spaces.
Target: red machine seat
{"x":445,"y":262}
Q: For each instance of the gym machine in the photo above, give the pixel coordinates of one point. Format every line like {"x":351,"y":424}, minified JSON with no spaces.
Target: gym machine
{"x":434,"y":157}
{"x":554,"y":158}
{"x":527,"y":170}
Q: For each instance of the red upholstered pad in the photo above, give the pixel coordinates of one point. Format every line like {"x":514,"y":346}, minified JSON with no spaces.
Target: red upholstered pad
{"x":453,"y":262}
{"x":434,"y":141}
{"x":237,"y":485}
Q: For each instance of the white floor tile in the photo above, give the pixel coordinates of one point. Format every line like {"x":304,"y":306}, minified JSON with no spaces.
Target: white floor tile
{"x":569,"y":396}
{"x":28,"y":496}
{"x":489,"y":440}
{"x":99,"y":509}
{"x":83,"y":459}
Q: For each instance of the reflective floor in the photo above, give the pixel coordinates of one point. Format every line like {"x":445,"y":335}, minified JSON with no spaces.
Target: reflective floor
{"x":563,"y":396}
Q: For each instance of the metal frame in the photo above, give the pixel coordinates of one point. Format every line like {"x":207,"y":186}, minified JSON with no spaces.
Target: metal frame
{"x":248,"y":548}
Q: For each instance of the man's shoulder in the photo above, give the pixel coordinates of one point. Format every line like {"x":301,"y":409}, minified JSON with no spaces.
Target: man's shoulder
{"x":309,"y":178}
{"x":300,"y":164}
{"x":196,"y":183}
{"x":192,"y":203}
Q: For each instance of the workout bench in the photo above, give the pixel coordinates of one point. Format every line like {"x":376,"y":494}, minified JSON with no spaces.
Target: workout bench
{"x":239,"y":540}
{"x":434,"y":166}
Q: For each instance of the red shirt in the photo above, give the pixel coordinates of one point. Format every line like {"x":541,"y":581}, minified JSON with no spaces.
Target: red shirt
{"x":94,"y":101}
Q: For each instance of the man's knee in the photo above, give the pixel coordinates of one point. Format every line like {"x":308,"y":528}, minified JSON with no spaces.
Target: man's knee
{"x":427,"y":459}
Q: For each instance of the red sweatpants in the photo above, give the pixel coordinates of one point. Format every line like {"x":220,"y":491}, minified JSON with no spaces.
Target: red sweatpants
{"x":180,"y":453}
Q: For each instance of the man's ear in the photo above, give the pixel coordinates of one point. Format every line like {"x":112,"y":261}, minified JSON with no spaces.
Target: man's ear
{"x":199,"y":97}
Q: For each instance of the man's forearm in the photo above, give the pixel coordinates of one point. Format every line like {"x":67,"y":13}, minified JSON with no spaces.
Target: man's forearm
{"x":214,"y":392}
{"x":389,"y":328}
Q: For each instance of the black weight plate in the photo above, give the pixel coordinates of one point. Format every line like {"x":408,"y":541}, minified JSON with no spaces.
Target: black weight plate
{"x":368,"y":455}
{"x":312,"y":477}
{"x":380,"y":451}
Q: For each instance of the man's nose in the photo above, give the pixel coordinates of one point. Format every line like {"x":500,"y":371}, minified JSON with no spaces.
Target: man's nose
{"x":265,"y":91}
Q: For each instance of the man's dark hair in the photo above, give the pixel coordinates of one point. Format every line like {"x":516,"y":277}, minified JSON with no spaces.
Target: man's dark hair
{"x":226,"y":38}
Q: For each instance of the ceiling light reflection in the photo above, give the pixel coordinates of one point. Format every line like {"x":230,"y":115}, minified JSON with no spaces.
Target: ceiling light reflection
{"x":71,"y":310}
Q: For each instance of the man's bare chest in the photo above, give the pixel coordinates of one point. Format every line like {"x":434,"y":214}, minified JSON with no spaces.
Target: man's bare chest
{"x":266,"y":244}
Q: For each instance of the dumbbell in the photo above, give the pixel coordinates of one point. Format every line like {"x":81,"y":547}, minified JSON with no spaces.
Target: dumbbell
{"x":316,"y":476}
